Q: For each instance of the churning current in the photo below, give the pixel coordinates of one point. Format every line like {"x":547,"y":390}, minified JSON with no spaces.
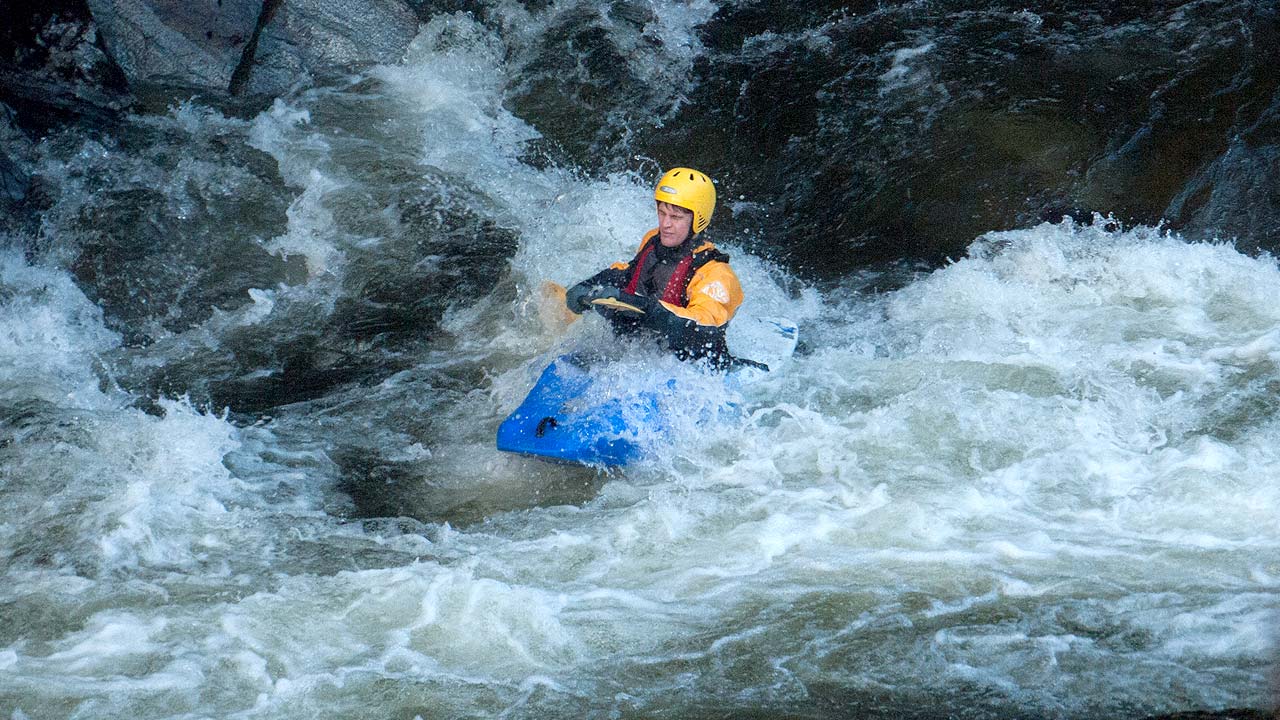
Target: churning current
{"x":252,"y":363}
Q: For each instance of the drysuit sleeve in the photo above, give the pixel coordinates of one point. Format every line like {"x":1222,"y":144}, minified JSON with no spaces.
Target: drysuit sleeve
{"x":688,"y":338}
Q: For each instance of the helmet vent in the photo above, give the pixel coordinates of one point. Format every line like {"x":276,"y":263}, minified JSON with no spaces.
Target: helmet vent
{"x":668,"y":189}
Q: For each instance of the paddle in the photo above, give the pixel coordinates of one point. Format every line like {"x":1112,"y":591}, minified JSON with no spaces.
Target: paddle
{"x":616,"y":304}
{"x":556,"y":317}
{"x":553,"y":313}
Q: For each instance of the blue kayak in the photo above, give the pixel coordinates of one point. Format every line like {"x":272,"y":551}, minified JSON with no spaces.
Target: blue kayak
{"x":568,"y":417}
{"x":557,"y":420}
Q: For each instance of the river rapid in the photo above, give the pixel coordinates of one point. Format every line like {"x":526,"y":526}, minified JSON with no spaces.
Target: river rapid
{"x":1023,"y":465}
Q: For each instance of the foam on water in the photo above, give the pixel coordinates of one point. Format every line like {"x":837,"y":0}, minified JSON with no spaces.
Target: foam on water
{"x":48,"y":327}
{"x":93,"y":482}
{"x":573,"y":221}
{"x":901,"y":74}
{"x":1040,"y":479}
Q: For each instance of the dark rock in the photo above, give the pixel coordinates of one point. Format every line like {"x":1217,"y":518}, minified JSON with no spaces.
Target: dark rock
{"x":866,"y":133}
{"x":1235,"y":198}
{"x":586,"y":101}
{"x":13,"y":179}
{"x":266,"y":48}
{"x":1233,"y":714}
{"x":15,"y":152}
{"x":196,"y":44}
{"x":244,"y":70}
{"x":434,"y":254}
{"x":318,"y":34}
{"x":160,"y":222}
{"x":57,"y":68}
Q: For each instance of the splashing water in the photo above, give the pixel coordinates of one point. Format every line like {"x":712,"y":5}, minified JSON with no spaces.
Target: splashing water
{"x":1038,"y":481}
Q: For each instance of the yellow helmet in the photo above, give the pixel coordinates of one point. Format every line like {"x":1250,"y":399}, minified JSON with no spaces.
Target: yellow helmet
{"x":690,"y":190}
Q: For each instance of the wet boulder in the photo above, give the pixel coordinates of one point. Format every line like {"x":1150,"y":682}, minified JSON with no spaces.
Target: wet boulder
{"x":319,"y":36}
{"x":255,"y":46}
{"x":195,"y":44}
{"x":1235,"y":197}
{"x":55,"y":68}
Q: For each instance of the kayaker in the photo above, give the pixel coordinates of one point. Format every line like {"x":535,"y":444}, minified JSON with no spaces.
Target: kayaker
{"x":677,"y":287}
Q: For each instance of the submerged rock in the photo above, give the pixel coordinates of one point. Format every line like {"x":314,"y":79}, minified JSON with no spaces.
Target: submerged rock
{"x":260,"y":47}
{"x":14,"y":148}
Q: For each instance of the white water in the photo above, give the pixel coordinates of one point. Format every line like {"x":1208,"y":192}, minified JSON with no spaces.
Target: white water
{"x":1040,"y":480}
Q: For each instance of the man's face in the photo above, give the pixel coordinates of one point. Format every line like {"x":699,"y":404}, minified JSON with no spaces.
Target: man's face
{"x":673,"y":224}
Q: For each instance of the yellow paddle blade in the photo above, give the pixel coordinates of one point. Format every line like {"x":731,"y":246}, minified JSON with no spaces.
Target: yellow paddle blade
{"x":552,"y":311}
{"x":617,"y":305}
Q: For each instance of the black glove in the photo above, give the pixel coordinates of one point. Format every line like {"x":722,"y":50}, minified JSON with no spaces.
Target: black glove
{"x":645,"y":304}
{"x":603,"y":284}
{"x":578,"y":298}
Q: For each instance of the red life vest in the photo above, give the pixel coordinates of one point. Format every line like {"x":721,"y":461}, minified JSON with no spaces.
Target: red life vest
{"x":678,"y":283}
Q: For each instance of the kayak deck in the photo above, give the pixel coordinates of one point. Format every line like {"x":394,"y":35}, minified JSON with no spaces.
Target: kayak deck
{"x":556,"y":420}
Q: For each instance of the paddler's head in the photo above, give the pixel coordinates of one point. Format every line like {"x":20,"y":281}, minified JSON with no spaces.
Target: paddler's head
{"x":686,"y":199}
